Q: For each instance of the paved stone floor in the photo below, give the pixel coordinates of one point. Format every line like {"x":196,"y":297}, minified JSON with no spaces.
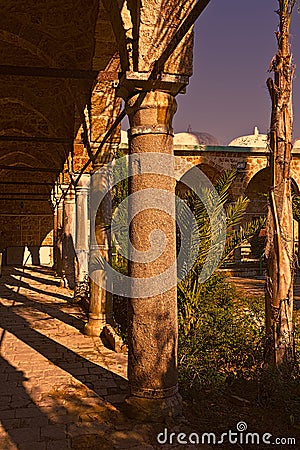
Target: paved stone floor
{"x":60,"y":389}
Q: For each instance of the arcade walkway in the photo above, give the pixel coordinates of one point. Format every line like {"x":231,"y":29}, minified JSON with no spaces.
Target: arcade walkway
{"x":59,"y":389}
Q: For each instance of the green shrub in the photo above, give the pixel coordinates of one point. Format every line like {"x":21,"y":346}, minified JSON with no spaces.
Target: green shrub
{"x":220,"y":334}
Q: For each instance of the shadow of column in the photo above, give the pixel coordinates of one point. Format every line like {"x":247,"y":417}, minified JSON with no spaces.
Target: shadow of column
{"x":57,"y":353}
{"x":35,"y":254}
{"x":22,"y":420}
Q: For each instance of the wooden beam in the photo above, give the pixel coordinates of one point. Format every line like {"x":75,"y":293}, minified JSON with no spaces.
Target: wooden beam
{"x":44,"y":194}
{"x":52,"y":72}
{"x":26,"y":183}
{"x":25,"y":199}
{"x":31,"y":169}
{"x":45,"y":139}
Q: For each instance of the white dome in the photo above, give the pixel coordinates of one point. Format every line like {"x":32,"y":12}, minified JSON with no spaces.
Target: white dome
{"x":195,"y":138}
{"x":252,"y":140}
{"x":297,"y":143}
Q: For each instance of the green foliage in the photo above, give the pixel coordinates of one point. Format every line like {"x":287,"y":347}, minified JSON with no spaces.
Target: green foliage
{"x":220,"y":334}
{"x":120,"y":226}
{"x":296,"y":207}
{"x":236,"y":234}
{"x":120,"y":189}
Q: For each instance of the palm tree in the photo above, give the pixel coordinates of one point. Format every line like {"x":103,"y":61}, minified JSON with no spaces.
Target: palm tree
{"x":188,"y":285}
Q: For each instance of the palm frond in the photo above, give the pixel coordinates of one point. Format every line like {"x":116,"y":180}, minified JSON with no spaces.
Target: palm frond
{"x":236,"y":238}
{"x":224,"y":181}
{"x":235,"y":211}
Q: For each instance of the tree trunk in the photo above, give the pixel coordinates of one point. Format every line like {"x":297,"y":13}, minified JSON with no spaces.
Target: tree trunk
{"x":279,"y":250}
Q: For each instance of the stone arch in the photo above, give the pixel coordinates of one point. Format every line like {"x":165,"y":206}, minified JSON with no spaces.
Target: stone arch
{"x":210,"y":171}
{"x":295,"y":173}
{"x":27,"y":160}
{"x":30,"y":160}
{"x":257,"y":191}
{"x":37,"y":124}
{"x":24,"y":107}
{"x":295,"y":187}
{"x":58,"y":43}
{"x":48,"y":47}
{"x":24,"y":43}
{"x":183,"y":165}
{"x":255,"y":163}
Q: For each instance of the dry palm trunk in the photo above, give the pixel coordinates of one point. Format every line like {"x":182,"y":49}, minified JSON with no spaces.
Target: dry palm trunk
{"x":279,"y":250}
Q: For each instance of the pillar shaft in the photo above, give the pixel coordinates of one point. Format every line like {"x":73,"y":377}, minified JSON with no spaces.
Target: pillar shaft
{"x":101,"y":306}
{"x":59,"y":238}
{"x":55,"y":235}
{"x":82,"y":237}
{"x":153,"y":330}
{"x":68,"y":247}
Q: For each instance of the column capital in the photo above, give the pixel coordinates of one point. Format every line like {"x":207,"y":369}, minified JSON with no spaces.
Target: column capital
{"x":83,"y":184}
{"x":135,"y":82}
{"x":151,"y":113}
{"x":63,"y":187}
{"x":70,"y":195}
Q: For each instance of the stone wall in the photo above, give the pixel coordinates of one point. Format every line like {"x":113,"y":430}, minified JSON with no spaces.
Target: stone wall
{"x":215,"y":160}
{"x":28,"y":233}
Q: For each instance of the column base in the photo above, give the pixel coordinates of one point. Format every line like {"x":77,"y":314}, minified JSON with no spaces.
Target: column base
{"x":94,"y":327}
{"x":81,"y":292}
{"x":63,"y":282}
{"x":154,"y":410}
{"x":112,"y":339}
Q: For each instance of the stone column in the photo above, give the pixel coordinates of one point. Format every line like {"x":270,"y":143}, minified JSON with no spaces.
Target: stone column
{"x":68,"y":248}
{"x":153,"y":329}
{"x":59,"y":238}
{"x":101,"y":307}
{"x":82,"y":238}
{"x":55,"y":231}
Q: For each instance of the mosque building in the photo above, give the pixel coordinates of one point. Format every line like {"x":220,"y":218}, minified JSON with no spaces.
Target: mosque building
{"x":248,"y":155}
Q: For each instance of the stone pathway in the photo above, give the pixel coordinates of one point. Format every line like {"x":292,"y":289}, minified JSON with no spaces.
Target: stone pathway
{"x":60,"y":389}
{"x":256,"y":285}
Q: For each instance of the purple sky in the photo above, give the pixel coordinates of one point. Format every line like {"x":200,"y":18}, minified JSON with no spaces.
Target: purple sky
{"x":234,"y":44}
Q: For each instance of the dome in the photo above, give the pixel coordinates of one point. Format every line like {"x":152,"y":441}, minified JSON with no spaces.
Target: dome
{"x":252,"y":140}
{"x":297,"y":143}
{"x":195,"y":138}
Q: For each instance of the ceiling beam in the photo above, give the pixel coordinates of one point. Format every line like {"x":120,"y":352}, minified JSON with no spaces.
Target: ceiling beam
{"x":51,"y":72}
{"x":25,"y":199}
{"x":27,"y":183}
{"x":30,"y":169}
{"x":45,"y":139}
{"x":44,"y":194}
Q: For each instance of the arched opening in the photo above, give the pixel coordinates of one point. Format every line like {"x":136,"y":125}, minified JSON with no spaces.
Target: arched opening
{"x":211,"y":172}
{"x":257,"y":192}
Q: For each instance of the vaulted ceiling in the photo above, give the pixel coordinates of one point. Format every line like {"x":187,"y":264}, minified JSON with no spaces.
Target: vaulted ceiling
{"x":55,"y":56}
{"x":51,"y":53}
